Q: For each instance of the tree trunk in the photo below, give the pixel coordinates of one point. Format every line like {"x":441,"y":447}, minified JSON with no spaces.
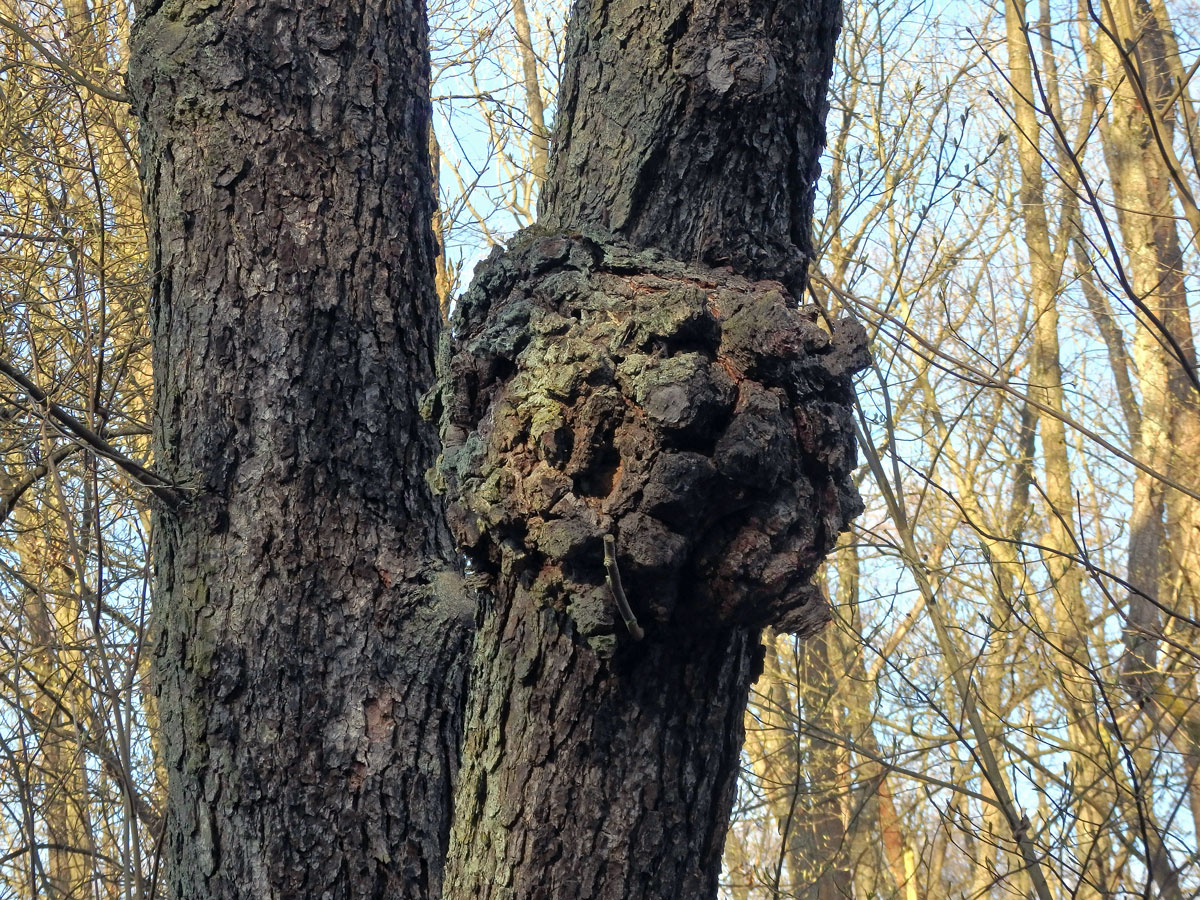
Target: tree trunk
{"x":695,"y":128}
{"x":597,"y":760}
{"x":1067,"y":630}
{"x":880,"y":843}
{"x":799,"y":773}
{"x":822,"y":826}
{"x":1162,"y":560}
{"x":308,"y":654}
{"x":613,"y":409}
{"x":307,"y":638}
{"x":539,"y":137}
{"x":1141,"y":189}
{"x":51,"y":617}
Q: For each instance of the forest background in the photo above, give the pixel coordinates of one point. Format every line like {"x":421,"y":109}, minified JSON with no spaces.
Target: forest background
{"x":1008,"y":204}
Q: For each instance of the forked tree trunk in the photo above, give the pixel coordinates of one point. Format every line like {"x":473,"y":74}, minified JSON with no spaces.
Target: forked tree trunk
{"x":614,"y":405}
{"x":308,"y":659}
{"x":306,"y":663}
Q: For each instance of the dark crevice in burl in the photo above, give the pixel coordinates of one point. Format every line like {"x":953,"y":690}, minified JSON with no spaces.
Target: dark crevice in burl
{"x":700,"y":417}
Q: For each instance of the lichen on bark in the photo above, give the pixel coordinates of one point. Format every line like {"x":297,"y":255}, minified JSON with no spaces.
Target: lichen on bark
{"x":702,"y":418}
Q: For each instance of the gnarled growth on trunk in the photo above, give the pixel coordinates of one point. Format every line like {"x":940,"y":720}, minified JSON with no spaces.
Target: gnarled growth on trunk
{"x":701,"y":421}
{"x":638,"y":372}
{"x":698,"y":417}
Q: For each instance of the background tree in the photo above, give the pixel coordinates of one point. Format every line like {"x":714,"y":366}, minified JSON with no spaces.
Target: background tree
{"x":78,"y":792}
{"x":972,"y":478}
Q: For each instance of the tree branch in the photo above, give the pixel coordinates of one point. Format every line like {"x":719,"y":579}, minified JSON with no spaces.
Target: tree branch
{"x":161,"y":488}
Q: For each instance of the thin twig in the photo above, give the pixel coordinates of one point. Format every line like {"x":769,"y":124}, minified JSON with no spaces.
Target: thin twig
{"x":161,"y":488}
{"x":613,"y":577}
{"x":61,"y":64}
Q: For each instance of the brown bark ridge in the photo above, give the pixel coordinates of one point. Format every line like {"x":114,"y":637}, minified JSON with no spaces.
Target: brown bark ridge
{"x":309,"y":658}
{"x":701,"y":420}
{"x":694,"y":126}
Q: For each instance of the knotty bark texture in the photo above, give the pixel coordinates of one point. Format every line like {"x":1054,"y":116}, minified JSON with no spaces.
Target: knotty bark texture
{"x":308,"y":655}
{"x":637,"y":367}
{"x":695,"y":127}
{"x":701,"y":419}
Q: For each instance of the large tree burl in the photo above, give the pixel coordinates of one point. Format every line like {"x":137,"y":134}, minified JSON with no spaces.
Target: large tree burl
{"x":699,"y":417}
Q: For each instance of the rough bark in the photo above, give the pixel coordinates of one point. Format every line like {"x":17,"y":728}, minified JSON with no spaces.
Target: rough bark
{"x":701,"y":420}
{"x":694,"y":126}
{"x":693,"y":416}
{"x":308,"y":655}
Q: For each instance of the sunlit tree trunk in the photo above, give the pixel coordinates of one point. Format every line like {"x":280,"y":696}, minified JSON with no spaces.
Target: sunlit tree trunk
{"x":1163,"y":544}
{"x":1068,"y":632}
{"x":800,"y":770}
{"x":883,"y":856}
{"x":773,"y":742}
{"x":880,"y":844}
{"x":55,"y":707}
{"x":821,"y":825}
{"x":443,"y":281}
{"x":534,"y":105}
